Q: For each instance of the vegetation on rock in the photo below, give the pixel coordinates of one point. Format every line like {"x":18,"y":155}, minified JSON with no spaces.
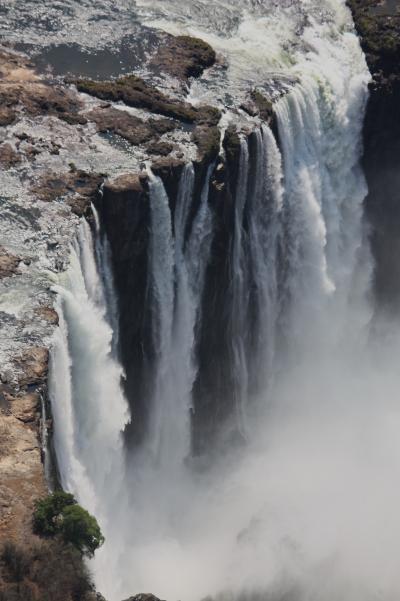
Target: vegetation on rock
{"x":51,"y":571}
{"x":380,"y":35}
{"x":134,"y":91}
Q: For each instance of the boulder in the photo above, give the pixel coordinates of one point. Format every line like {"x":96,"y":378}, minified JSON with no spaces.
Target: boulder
{"x":143,"y":597}
{"x":183,"y":57}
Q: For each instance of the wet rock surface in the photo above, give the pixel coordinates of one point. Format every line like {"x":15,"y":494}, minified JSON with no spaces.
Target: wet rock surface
{"x":379,"y":27}
{"x":125,"y":212}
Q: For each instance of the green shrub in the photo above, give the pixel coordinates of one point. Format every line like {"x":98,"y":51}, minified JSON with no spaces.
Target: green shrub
{"x":60,"y":514}
{"x":48,"y":510}
{"x":81,"y":529}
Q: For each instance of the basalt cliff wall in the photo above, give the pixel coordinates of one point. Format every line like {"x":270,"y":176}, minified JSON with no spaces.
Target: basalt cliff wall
{"x":378,"y":25}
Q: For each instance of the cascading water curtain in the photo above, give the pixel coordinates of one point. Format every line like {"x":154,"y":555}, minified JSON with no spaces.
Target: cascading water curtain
{"x":89,"y":408}
{"x":306,"y":507}
{"x":177,"y":267}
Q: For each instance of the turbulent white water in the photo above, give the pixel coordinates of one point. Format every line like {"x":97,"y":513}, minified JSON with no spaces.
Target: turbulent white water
{"x":307,"y":509}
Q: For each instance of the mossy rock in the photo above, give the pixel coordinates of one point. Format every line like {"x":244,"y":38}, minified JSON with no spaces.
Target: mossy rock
{"x":263,"y":104}
{"x":183,"y":57}
{"x":135,"y":92}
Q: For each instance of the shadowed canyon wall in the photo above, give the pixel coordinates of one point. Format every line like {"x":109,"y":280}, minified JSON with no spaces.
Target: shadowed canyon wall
{"x":378,"y":25}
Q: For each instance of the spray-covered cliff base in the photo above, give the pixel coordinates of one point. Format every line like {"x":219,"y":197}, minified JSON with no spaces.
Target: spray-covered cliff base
{"x":98,"y":101}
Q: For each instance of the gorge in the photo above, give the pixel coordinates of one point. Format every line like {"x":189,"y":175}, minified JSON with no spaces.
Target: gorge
{"x":199,"y":284}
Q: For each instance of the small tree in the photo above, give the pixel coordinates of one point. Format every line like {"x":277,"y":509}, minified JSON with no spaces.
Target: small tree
{"x":81,"y":529}
{"x":60,"y":514}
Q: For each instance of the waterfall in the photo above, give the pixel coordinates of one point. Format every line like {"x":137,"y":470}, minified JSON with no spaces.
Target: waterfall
{"x":104,"y":265}
{"x":256,"y":249}
{"x":240,"y":292}
{"x":89,"y":408}
{"x":303,"y":504}
{"x":177,"y":266}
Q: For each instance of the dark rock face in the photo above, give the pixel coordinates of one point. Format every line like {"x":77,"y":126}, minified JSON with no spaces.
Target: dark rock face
{"x":125,"y":213}
{"x":379,"y":29}
{"x":213,"y":398}
{"x":382,"y":168}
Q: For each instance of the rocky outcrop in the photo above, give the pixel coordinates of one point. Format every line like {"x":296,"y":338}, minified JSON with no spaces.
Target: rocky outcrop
{"x":31,"y":569}
{"x":8,"y":263}
{"x":32,"y":365}
{"x":183,"y":57}
{"x":143,"y":597}
{"x":379,"y":29}
{"x":136,"y":92}
{"x":78,"y":188}
{"x":8,"y":156}
{"x":133,"y":129}
{"x":21,"y":90}
{"x":21,"y":471}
